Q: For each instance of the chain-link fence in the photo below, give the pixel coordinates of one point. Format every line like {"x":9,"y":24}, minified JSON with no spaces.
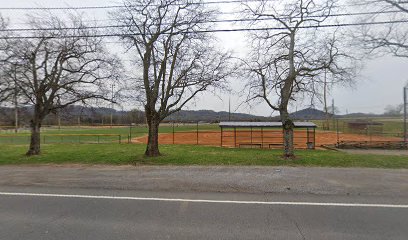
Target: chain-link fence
{"x":24,"y":139}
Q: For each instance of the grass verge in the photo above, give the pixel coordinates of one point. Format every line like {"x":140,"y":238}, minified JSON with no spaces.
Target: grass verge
{"x":190,"y":155}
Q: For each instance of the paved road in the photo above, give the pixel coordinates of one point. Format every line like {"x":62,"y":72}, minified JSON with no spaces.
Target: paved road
{"x":98,"y":208}
{"x":321,"y":181}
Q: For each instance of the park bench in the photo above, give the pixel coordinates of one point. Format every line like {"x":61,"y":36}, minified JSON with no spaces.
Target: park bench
{"x":250,"y":145}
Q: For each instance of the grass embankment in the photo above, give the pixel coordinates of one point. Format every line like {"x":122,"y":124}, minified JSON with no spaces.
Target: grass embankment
{"x":190,"y":155}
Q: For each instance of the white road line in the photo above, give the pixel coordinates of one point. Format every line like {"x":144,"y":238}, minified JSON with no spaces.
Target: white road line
{"x":204,"y":200}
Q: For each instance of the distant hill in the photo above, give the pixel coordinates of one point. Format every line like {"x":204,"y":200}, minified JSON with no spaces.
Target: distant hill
{"x":361,"y":115}
{"x":91,"y":115}
{"x":309,"y":114}
{"x":212,"y":116}
{"x":73,"y":115}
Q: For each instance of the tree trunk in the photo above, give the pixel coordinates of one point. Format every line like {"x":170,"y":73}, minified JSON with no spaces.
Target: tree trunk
{"x":152,"y":149}
{"x":35,"y":140}
{"x":288,"y":126}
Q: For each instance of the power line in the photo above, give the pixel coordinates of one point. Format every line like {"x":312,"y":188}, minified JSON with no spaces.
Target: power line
{"x":122,"y":6}
{"x":207,"y":21}
{"x":211,"y":31}
{"x":181,"y":4}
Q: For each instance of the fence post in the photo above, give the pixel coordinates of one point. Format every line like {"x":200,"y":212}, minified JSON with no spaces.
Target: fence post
{"x":120,"y":139}
{"x":173,"y":133}
{"x":197,"y":133}
{"x":338,"y":134}
{"x":307,"y":136}
{"x":221,"y":135}
{"x":235,"y":137}
{"x":130,"y":133}
{"x":314,"y":138}
{"x":251,"y":137}
{"x":98,"y":139}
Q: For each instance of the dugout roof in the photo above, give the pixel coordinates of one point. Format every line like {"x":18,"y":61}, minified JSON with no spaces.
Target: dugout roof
{"x":264,"y":124}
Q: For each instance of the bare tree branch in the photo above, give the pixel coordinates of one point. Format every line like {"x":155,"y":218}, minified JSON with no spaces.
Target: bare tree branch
{"x":58,"y":70}
{"x":284,"y":65}
{"x":177,"y":60}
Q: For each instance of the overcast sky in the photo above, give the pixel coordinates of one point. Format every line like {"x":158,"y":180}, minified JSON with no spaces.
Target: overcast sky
{"x":380,"y":83}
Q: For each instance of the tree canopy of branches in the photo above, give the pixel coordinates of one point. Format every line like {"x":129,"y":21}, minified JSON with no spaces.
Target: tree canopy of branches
{"x":391,"y":38}
{"x":285,"y":64}
{"x":5,"y":85}
{"x":176,"y":59}
{"x":59,"y":68}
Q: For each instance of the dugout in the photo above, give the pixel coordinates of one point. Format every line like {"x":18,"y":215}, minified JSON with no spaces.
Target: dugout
{"x":266,"y":135}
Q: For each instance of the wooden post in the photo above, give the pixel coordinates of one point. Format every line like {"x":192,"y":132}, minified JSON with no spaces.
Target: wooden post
{"x":235,"y":137}
{"x":338,"y":134}
{"x":221,"y":135}
{"x":307,"y":136}
{"x":314,"y":138}
{"x":251,"y":137}
{"x":130,"y":133}
{"x":173,"y":133}
{"x":197,"y":133}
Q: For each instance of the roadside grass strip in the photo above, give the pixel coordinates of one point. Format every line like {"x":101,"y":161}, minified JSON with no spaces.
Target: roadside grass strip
{"x":184,"y":155}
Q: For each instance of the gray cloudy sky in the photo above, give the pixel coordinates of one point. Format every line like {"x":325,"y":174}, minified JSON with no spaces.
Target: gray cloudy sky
{"x":380,"y":83}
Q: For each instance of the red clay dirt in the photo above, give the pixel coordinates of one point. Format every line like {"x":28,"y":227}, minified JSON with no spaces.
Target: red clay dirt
{"x":266,"y":139}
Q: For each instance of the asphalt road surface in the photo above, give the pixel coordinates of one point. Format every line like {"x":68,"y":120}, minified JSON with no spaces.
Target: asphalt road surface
{"x":47,"y":210}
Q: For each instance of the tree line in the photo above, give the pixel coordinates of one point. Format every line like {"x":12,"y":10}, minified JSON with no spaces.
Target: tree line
{"x":175,"y":57}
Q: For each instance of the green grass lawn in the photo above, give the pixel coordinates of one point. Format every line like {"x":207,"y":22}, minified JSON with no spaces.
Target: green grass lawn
{"x":53,"y":135}
{"x":190,"y":155}
{"x":392,"y":126}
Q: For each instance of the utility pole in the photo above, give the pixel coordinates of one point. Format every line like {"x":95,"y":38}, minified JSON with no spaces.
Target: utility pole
{"x":15,"y":100}
{"x":405,"y":115}
{"x":15,"y":110}
{"x":334,"y":123}
{"x":111,"y":115}
{"x":326,"y":111}
{"x":229,"y":108}
{"x":59,"y":121}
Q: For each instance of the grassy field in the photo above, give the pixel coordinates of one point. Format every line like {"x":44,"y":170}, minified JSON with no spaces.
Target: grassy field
{"x":85,"y":134}
{"x":391,"y":126}
{"x":121,"y":154}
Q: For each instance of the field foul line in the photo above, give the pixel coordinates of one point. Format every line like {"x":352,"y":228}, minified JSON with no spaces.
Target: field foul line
{"x":204,"y":200}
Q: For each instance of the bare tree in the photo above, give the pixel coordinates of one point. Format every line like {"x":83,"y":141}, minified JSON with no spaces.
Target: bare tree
{"x":61,"y":65}
{"x":391,"y":38}
{"x":5,"y":84}
{"x":177,"y":59}
{"x":290,"y":62}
